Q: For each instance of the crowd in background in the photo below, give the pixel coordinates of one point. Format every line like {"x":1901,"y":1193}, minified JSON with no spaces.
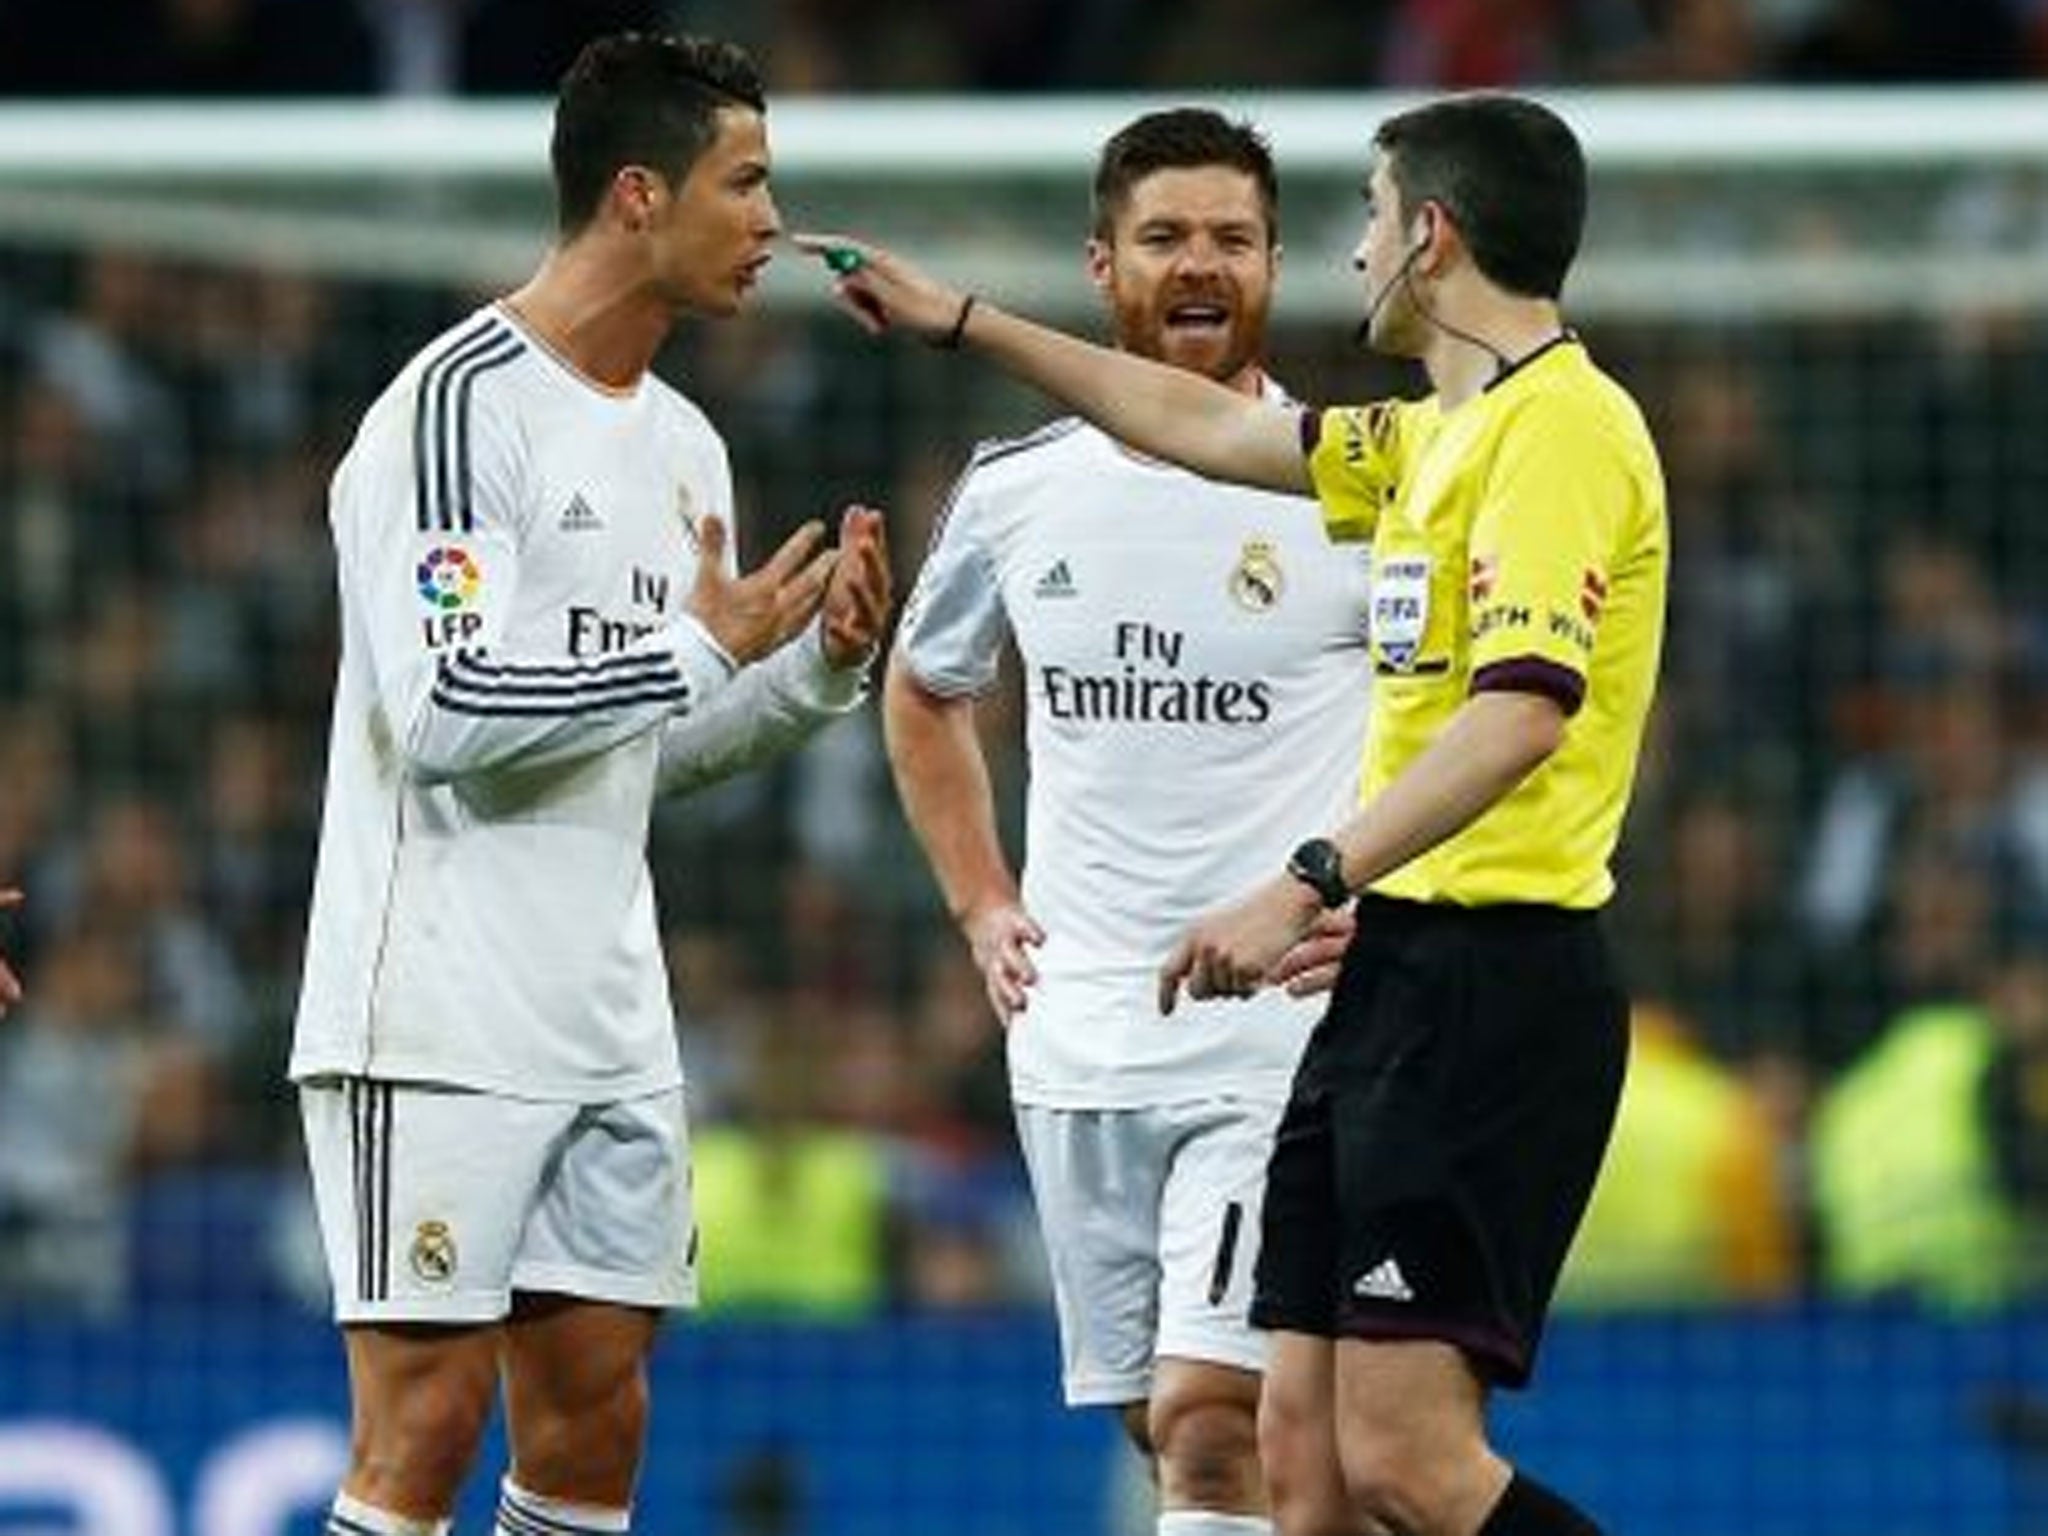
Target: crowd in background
{"x":1834,"y":891}
{"x":423,"y":47}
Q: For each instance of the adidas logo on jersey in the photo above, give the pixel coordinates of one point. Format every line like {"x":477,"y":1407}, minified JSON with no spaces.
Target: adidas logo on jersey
{"x":1057,"y":582}
{"x":1383,"y":1282}
{"x":579,"y":516}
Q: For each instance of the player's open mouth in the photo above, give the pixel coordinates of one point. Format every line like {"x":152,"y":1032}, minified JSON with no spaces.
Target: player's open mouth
{"x":1195,"y":318}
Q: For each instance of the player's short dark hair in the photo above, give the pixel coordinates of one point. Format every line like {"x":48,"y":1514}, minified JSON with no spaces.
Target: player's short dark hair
{"x":637,"y":98}
{"x":1182,"y":138}
{"x":1509,"y":172}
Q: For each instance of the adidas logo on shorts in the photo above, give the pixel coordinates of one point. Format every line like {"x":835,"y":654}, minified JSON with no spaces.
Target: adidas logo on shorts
{"x":1383,"y":1282}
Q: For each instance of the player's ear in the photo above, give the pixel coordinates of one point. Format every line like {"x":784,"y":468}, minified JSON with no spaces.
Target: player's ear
{"x":1100,"y":259}
{"x":634,"y":192}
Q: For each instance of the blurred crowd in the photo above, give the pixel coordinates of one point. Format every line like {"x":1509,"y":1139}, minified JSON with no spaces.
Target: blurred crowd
{"x":470,"y":47}
{"x":1835,"y":890}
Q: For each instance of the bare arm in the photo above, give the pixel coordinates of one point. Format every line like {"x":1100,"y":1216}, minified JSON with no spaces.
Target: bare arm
{"x":1162,"y":410}
{"x":942,"y":779}
{"x":1491,"y":744}
{"x":1495,"y":741}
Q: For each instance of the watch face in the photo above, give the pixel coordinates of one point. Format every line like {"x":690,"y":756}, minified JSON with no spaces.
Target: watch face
{"x":1318,"y":864}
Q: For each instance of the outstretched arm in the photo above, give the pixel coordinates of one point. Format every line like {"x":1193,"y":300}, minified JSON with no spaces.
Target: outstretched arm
{"x":1162,"y":410}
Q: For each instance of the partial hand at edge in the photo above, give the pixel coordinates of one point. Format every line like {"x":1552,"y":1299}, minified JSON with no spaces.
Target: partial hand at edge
{"x":10,"y":984}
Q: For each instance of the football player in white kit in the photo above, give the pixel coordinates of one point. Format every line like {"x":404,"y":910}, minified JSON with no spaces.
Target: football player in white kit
{"x":1196,"y":681}
{"x":543,"y":627}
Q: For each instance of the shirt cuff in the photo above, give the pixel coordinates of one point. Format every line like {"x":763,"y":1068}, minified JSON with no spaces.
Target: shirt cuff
{"x":827,"y":686}
{"x":708,"y":665}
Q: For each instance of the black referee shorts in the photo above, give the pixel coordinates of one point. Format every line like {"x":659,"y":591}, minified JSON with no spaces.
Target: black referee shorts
{"x":1444,"y":1131}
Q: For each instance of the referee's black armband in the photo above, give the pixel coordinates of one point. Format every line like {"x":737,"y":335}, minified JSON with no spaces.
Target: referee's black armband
{"x":1533,"y":674}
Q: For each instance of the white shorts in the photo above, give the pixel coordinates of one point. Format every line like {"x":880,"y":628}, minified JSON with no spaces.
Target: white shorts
{"x":1151,"y":1224}
{"x":437,"y":1203}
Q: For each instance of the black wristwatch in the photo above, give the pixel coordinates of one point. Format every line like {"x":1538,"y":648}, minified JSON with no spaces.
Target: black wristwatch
{"x":1319,"y":865}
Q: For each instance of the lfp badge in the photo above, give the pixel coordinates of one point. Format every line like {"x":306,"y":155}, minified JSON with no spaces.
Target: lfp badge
{"x":449,"y":581}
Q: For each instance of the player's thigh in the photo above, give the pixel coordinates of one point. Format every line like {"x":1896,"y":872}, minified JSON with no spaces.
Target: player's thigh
{"x":1096,"y":1180}
{"x":422,"y":1194}
{"x":613,"y":1221}
{"x":1211,"y":1211}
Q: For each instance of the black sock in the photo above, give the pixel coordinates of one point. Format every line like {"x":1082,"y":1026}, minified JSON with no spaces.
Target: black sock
{"x":1528,"y":1508}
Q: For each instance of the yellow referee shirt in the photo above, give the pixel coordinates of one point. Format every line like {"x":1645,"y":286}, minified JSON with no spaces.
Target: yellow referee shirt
{"x":1519,"y":542}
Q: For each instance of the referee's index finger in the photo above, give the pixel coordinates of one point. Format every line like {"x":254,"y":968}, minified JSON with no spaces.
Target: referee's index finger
{"x":842,"y":255}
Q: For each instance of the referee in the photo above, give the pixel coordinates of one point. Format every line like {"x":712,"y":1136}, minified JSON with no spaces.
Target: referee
{"x":1449,"y":1116}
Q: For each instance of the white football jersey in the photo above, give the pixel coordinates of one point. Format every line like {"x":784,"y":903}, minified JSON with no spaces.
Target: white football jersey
{"x":518,"y":677}
{"x":1196,"y":679}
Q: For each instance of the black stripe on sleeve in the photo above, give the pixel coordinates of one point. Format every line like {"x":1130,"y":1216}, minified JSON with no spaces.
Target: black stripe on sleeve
{"x":497,"y":358}
{"x":437,"y":425}
{"x":422,"y":483}
{"x":466,"y":685}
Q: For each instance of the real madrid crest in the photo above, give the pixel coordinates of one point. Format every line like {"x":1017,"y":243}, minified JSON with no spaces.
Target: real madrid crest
{"x":1256,"y":581}
{"x":433,"y":1252}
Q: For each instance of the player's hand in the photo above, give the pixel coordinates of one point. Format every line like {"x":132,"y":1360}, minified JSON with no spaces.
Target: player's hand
{"x":754,"y":614}
{"x":1231,"y":952}
{"x":884,"y":291}
{"x":10,"y":984}
{"x":1312,"y":962}
{"x":1002,"y":938}
{"x":857,"y":597}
